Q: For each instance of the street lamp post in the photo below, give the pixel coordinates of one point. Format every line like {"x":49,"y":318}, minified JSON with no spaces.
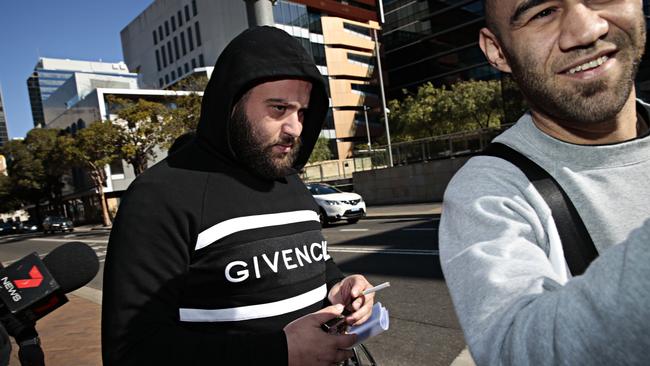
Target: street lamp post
{"x":383,"y":97}
{"x":260,"y":12}
{"x":365,"y":115}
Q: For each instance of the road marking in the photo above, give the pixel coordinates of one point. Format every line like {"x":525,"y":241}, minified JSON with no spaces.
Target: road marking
{"x":420,"y":229}
{"x":354,"y":229}
{"x":368,"y":250}
{"x":66,"y":240}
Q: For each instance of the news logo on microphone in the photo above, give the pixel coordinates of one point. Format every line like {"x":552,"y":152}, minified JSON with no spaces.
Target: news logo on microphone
{"x":27,"y":283}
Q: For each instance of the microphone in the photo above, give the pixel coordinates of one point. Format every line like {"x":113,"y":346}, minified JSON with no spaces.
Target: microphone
{"x":31,"y":288}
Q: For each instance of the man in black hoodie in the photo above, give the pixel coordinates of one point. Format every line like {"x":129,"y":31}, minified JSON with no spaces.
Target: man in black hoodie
{"x":216,"y":255}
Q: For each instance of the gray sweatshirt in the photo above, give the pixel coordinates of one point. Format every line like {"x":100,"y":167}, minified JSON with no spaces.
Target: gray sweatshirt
{"x":504,"y":264}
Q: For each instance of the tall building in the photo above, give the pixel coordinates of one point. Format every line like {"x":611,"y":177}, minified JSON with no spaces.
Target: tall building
{"x":340,"y":38}
{"x":437,"y":41}
{"x":51,"y":73}
{"x":172,"y":38}
{"x":4,"y":135}
{"x":74,"y":90}
{"x":432,"y":41}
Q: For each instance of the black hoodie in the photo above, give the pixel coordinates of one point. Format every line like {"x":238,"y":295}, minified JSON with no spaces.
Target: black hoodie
{"x":207,"y":261}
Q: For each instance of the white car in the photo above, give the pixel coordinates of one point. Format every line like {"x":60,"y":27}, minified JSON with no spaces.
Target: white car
{"x":336,"y":205}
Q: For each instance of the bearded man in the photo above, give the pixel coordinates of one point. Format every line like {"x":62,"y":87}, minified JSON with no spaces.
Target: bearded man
{"x":216,"y":255}
{"x":506,"y":267}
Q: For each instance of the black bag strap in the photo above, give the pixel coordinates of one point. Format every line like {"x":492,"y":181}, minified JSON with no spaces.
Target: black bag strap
{"x":579,"y":249}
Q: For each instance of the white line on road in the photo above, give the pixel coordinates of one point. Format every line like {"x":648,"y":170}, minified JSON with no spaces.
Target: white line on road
{"x":420,"y":229}
{"x":66,"y":240}
{"x":354,"y":229}
{"x":367,"y":250}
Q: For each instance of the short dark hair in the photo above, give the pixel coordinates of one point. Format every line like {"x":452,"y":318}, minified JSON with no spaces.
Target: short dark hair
{"x":488,"y":8}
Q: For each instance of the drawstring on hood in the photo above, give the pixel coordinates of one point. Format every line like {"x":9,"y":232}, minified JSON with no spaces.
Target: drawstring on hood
{"x":259,"y":55}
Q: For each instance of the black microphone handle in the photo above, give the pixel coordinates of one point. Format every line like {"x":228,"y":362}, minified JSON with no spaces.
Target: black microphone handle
{"x":31,"y":354}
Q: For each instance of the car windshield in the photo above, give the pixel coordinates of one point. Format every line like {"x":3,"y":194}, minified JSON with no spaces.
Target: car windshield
{"x":321,"y":189}
{"x":58,"y":220}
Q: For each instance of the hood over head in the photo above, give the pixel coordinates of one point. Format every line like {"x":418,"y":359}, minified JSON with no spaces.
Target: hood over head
{"x":259,"y":55}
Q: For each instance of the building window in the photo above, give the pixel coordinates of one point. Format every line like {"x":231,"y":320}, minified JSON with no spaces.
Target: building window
{"x":160,"y":33}
{"x":158,"y":60}
{"x":360,"y":59}
{"x":155,"y":38}
{"x":187,"y":13}
{"x":190,"y":39}
{"x":362,"y":31}
{"x":164,"y":55}
{"x":180,"y":71}
{"x":117,"y":168}
{"x":81,"y":124}
{"x":187,"y":68}
{"x":166,"y":78}
{"x":166,"y":28}
{"x":160,"y":83}
{"x":364,"y":89}
{"x":194,"y":11}
{"x":201,"y":62}
{"x":193,"y":64}
{"x":178,"y":55}
{"x":173,"y":75}
{"x":183,"y":43}
{"x":173,"y":20}
{"x":198,"y":34}
{"x":180,"y":19}
{"x":169,"y":51}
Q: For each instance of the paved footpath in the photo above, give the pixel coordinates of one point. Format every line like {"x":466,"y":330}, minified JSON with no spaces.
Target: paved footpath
{"x":71,"y":335}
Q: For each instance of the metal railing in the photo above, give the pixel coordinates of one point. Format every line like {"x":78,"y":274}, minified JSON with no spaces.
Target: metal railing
{"x":404,"y":153}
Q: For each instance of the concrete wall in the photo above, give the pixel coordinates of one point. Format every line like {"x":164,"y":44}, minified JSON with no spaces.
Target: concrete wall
{"x":424,"y":182}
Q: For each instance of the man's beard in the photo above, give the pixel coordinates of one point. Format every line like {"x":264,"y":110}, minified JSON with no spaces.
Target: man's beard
{"x":591,"y":102}
{"x":258,"y":155}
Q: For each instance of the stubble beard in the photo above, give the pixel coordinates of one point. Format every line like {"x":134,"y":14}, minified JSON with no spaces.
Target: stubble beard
{"x":588,"y":103}
{"x":257,"y":154}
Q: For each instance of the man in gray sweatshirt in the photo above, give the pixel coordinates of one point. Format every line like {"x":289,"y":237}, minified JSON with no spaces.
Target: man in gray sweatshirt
{"x":575,"y":62}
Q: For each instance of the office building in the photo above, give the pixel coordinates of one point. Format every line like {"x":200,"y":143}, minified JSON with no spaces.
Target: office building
{"x":172,"y":38}
{"x":51,"y":73}
{"x":74,"y":90}
{"x":340,"y":38}
{"x":437,"y":41}
{"x":432,"y":41}
{"x":79,"y":196}
{"x":4,"y":134}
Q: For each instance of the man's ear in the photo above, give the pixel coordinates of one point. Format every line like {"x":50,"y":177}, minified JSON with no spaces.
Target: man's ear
{"x":491,"y":47}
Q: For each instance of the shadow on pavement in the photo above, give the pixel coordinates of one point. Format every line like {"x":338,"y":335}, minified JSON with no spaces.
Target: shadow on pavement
{"x":403,"y":265}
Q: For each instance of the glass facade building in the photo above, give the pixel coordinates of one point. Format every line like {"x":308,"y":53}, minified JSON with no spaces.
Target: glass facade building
{"x":432,"y":41}
{"x":437,"y":41}
{"x":49,"y":74}
{"x":4,"y":135}
{"x":40,"y":85}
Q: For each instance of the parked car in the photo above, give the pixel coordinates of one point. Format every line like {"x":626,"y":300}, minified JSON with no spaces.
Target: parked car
{"x":57,"y":223}
{"x":8,"y":228}
{"x":29,"y":226}
{"x":336,"y":205}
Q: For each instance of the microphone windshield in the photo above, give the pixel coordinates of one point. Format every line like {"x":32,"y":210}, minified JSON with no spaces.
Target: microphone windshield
{"x":72,"y":265}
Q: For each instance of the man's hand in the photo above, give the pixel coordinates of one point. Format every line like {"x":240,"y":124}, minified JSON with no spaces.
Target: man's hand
{"x":308,"y":345}
{"x":349,"y":289}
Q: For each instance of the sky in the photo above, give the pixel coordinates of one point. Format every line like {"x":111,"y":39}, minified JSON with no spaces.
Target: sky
{"x":74,"y":29}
